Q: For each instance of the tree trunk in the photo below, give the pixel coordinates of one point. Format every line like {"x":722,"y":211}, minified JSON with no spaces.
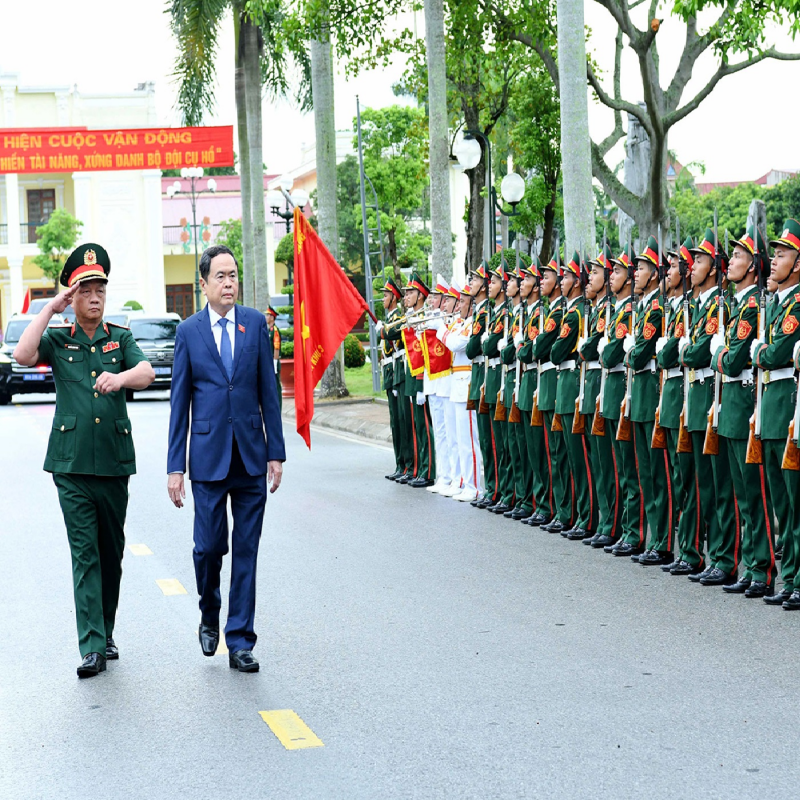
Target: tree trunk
{"x":248,"y":259}
{"x":475,"y":216}
{"x":252,"y":85}
{"x":441,"y":233}
{"x":575,"y":141}
{"x":391,"y":251}
{"x":547,"y":228}
{"x":332,"y":383}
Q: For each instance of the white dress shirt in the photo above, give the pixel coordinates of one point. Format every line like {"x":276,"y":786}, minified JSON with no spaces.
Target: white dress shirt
{"x":216,"y":330}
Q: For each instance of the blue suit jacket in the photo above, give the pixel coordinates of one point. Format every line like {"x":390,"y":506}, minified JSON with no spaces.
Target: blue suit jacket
{"x":246,"y":405}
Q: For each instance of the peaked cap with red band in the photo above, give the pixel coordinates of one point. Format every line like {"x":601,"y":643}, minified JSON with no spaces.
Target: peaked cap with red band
{"x":455,"y":290}
{"x":417,"y":283}
{"x":553,"y":265}
{"x":574,"y":265}
{"x":87,"y":262}
{"x":271,"y":311}
{"x":707,"y":247}
{"x":650,"y":253}
{"x":393,"y":288}
{"x":749,"y":239}
{"x":481,"y":272}
{"x":533,"y":269}
{"x":625,"y":258}
{"x":501,"y":270}
{"x":442,"y":287}
{"x":790,"y":236}
{"x":605,"y":259}
{"x":684,"y":253}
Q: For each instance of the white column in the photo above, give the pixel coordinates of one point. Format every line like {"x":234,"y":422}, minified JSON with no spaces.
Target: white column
{"x":13,"y":216}
{"x":153,"y":285}
{"x":273,"y":289}
{"x":82,"y":182}
{"x":17,"y":287}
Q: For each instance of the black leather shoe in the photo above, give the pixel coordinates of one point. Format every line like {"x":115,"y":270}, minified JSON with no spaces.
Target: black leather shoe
{"x":626,"y":549}
{"x":777,"y":599}
{"x":636,"y":556}
{"x":793,"y":603}
{"x":779,"y":554}
{"x":758,"y":589}
{"x":92,"y":665}
{"x":485,"y":502}
{"x":519,"y":514}
{"x":579,"y":534}
{"x":499,"y":508}
{"x":740,"y":587}
{"x":209,"y":638}
{"x":539,"y":519}
{"x":716,"y":577}
{"x":602,"y":540}
{"x":668,"y":567}
{"x":112,"y":651}
{"x":394,"y":476}
{"x":404,"y":478}
{"x":420,"y":483}
{"x":685,"y":568}
{"x":656,"y":558}
{"x":243,"y":661}
{"x":590,"y":540}
{"x":695,"y":577}
{"x":555,"y":526}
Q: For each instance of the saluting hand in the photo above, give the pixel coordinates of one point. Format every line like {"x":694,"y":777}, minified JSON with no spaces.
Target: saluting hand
{"x":60,"y":302}
{"x":108,"y":382}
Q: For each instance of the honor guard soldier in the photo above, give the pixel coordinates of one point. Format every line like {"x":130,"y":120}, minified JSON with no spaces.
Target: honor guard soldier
{"x":90,"y":453}
{"x":479,"y":289}
{"x":558,"y":463}
{"x":271,"y":315}
{"x":774,"y":356}
{"x":717,"y":505}
{"x":495,"y":339}
{"x":731,"y":358}
{"x":601,"y":449}
{"x":564,"y":354}
{"x":611,"y":350}
{"x":652,"y":464}
{"x":390,"y":348}
{"x":671,"y":413}
{"x":536,"y":433}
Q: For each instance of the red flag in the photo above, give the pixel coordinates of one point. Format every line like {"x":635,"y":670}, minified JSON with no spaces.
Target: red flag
{"x":26,"y":303}
{"x":326,"y":306}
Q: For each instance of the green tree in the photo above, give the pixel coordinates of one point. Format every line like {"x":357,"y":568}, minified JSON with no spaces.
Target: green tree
{"x":56,"y":239}
{"x":783,"y":202}
{"x":230,"y":235}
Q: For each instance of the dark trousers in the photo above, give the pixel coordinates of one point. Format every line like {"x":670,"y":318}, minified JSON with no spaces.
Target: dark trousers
{"x":580,"y":466}
{"x":633,"y":518}
{"x":94,"y":511}
{"x":707,"y":496}
{"x":394,"y":423}
{"x":563,"y":492}
{"x":488,"y":456}
{"x":523,"y":474}
{"x":405,"y":426}
{"x":606,"y":481}
{"x":784,"y":485}
{"x":686,"y":494}
{"x":505,"y":477}
{"x":536,"y":439}
{"x":248,"y":496}
{"x":655,"y":486}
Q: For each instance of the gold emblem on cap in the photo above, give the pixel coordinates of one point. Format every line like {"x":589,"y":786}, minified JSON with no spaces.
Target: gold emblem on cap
{"x":90,"y":258}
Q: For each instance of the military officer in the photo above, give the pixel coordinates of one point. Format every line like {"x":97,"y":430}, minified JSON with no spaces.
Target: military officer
{"x":774,"y":357}
{"x":90,"y":453}
{"x":271,"y":315}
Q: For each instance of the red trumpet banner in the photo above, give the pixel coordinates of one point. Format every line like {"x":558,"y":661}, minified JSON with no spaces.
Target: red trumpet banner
{"x":36,"y":150}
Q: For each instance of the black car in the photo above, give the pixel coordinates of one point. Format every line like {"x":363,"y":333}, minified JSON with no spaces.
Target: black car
{"x":155,"y":334}
{"x":25,"y":380}
{"x":5,"y":379}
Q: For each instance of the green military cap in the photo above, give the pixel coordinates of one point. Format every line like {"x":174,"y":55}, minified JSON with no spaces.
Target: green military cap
{"x":706,"y":247}
{"x":533,"y":270}
{"x":552,"y":265}
{"x":87,"y":262}
{"x":748,"y":241}
{"x":604,"y":259}
{"x":271,"y":311}
{"x":573,"y":265}
{"x":685,"y":252}
{"x":501,"y":270}
{"x":482,"y":271}
{"x":650,"y":253}
{"x":391,"y":287}
{"x":416,"y":282}
{"x":790,"y":236}
{"x":626,"y":257}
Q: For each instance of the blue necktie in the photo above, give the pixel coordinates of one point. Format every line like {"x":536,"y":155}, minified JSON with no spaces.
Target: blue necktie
{"x":225,"y":348}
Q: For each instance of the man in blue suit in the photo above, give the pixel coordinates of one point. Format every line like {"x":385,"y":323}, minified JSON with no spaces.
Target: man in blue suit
{"x":223,"y":375}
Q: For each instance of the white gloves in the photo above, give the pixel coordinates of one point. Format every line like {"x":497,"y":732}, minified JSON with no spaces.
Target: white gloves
{"x":484,"y":336}
{"x":755,"y":347}
{"x":717,"y":341}
{"x":581,"y":343}
{"x":601,"y":345}
{"x":628,"y":342}
{"x":520,"y":336}
{"x":502,"y":343}
{"x":436,"y":325}
{"x":684,"y":344}
{"x":394,"y":392}
{"x":420,"y":398}
{"x":379,"y":326}
{"x":796,"y":351}
{"x":275,"y":365}
{"x":661,"y":343}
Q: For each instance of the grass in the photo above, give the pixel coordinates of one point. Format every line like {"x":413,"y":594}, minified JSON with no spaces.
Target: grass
{"x":359,"y":381}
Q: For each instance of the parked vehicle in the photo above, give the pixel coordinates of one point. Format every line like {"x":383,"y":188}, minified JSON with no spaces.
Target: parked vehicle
{"x":26,"y":380}
{"x":155,"y":334}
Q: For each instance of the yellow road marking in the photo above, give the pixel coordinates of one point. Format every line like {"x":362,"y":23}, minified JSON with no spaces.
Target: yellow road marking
{"x":291,"y":731}
{"x":170,"y":586}
{"x":222,"y":648}
{"x":140,"y":549}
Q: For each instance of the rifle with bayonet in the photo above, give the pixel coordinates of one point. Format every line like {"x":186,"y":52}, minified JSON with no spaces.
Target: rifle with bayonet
{"x":684,"y":437}
{"x":711,"y":443}
{"x":483,"y":406}
{"x":599,"y":421}
{"x":500,"y":413}
{"x":579,"y":420}
{"x":537,"y":418}
{"x":625,"y":427}
{"x":514,"y":415}
{"x":755,"y":450}
{"x":658,"y":440}
{"x":557,"y":425}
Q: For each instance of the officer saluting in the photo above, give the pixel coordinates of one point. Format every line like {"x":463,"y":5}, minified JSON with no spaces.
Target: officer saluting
{"x":90,"y":452}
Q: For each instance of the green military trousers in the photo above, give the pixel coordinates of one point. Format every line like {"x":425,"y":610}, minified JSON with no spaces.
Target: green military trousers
{"x":424,"y":450}
{"x":559,"y":471}
{"x":784,"y":485}
{"x":686,"y":497}
{"x":655,"y":486}
{"x":505,"y":475}
{"x":523,"y":475}
{"x":488,"y":455}
{"x":755,"y":513}
{"x":606,"y":482}
{"x":724,"y":542}
{"x":538,"y":463}
{"x":633,"y":531}
{"x":94,"y":510}
{"x":394,"y":424}
{"x":405,"y":424}
{"x":580,"y":466}
{"x":706,"y":495}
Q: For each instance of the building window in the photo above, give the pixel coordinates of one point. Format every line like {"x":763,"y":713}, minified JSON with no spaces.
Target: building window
{"x":41,"y":204}
{"x":180,"y":299}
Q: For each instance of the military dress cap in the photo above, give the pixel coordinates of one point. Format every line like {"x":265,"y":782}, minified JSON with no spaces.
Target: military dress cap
{"x":650,"y":253}
{"x":442,"y":287}
{"x":455,"y":290}
{"x":417,"y":283}
{"x":271,"y":311}
{"x":790,"y":236}
{"x":482,"y":271}
{"x":87,"y":262}
{"x":625,"y":258}
{"x":391,"y":287}
{"x":501,"y":270}
{"x":706,"y":247}
{"x":748,"y":241}
{"x":684,"y":254}
{"x":573,"y":265}
{"x":552,"y":265}
{"x":604,"y":259}
{"x":534,"y":269}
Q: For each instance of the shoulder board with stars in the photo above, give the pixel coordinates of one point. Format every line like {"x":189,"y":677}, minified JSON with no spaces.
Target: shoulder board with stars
{"x":117,"y":325}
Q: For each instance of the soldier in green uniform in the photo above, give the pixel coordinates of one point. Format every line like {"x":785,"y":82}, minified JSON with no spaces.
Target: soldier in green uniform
{"x":389,"y":347}
{"x":564,"y":354}
{"x":90,"y":452}
{"x":601,"y":448}
{"x":558,"y":461}
{"x":717,"y":505}
{"x":536,"y":435}
{"x":479,"y":289}
{"x":495,"y":339}
{"x":731,"y":357}
{"x":685,"y":489}
{"x":652,"y":465}
{"x":774,"y":356}
{"x":271,"y":314}
{"x":611,"y":350}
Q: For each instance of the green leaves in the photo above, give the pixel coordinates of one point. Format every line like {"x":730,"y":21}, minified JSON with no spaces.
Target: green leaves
{"x":56,"y":239}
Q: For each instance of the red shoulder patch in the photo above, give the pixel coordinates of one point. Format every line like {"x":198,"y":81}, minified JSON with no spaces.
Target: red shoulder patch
{"x":790,"y":324}
{"x":752,"y":302}
{"x":601,"y":324}
{"x":712,"y":326}
{"x":550,"y":326}
{"x":649,"y":330}
{"x":743,"y":330}
{"x":655,"y":306}
{"x":679,"y":330}
{"x":565,"y":329}
{"x":476,"y":327}
{"x":498,"y":328}
{"x":533,"y":331}
{"x":622,"y":330}
{"x":628,"y":308}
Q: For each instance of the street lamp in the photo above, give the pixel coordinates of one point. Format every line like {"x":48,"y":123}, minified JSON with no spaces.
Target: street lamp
{"x":298,"y":198}
{"x":193,"y":174}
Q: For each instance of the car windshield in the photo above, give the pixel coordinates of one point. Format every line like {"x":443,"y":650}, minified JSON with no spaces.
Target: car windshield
{"x":154,"y":328}
{"x":14,"y":330}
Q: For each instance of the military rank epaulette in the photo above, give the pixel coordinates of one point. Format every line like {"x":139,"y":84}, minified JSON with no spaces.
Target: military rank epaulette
{"x":752,"y":302}
{"x":628,"y":308}
{"x":655,"y":305}
{"x":117,"y":325}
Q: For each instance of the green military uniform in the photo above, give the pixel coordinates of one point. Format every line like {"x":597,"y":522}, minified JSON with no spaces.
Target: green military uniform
{"x":564,"y":355}
{"x":389,"y":350}
{"x":558,"y":463}
{"x":777,"y":407}
{"x":403,"y":426}
{"x":90,"y":454}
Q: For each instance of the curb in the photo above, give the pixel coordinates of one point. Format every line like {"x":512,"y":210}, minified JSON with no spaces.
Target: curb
{"x":329,"y":418}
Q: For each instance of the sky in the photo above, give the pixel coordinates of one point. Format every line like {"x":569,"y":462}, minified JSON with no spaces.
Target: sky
{"x":99,"y":50}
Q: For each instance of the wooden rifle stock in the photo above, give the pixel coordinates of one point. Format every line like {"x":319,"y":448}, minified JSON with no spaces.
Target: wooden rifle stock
{"x":755,"y":450}
{"x":470,"y":404}
{"x":659,"y":438}
{"x":537,"y":418}
{"x":514,"y":415}
{"x":500,"y":413}
{"x":684,"y":437}
{"x":557,"y":425}
{"x":625,"y":429}
{"x":483,"y":406}
{"x":598,"y":420}
{"x":711,"y":443}
{"x":791,"y":455}
{"x":579,"y":420}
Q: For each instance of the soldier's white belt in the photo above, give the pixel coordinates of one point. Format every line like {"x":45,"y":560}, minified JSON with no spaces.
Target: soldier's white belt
{"x":592,"y":365}
{"x":566,"y":365}
{"x":548,"y":366}
{"x":387,"y":360}
{"x":772,"y":375}
{"x":479,"y":359}
{"x":700,"y":375}
{"x":651,"y":367}
{"x":528,"y":367}
{"x":399,"y":354}
{"x":745,"y":377}
{"x":493,"y":362}
{"x":674,"y":372}
{"x":617,"y":368}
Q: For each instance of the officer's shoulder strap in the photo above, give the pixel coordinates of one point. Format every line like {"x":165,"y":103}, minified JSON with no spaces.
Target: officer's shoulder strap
{"x":117,"y":325}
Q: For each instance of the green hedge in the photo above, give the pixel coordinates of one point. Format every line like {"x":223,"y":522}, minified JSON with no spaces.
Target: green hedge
{"x":287,"y":334}
{"x":362,"y":337}
{"x":287,"y":349}
{"x":289,"y":310}
{"x":287,"y":289}
{"x":354,"y":355}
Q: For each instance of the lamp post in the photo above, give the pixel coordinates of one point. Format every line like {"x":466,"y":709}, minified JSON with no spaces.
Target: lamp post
{"x":297,"y":199}
{"x":193,"y":174}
